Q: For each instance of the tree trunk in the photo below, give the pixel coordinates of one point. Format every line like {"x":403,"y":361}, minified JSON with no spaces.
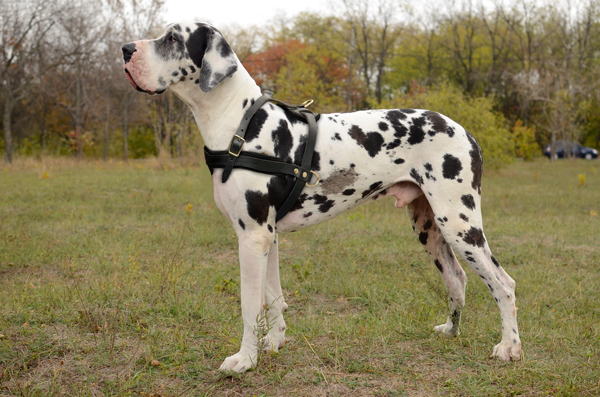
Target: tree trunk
{"x":125,"y":130}
{"x":106,"y":130}
{"x":6,"y":123}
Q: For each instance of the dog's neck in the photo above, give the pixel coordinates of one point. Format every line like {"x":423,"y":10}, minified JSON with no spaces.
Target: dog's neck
{"x":209,"y":108}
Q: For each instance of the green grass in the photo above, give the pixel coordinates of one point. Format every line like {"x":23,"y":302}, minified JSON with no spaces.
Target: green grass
{"x":111,"y":284}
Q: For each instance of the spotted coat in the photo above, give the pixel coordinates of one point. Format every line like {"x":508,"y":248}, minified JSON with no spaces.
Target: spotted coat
{"x":424,"y":160}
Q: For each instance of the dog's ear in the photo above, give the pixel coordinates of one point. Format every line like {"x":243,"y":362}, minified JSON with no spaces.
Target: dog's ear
{"x":212,"y":55}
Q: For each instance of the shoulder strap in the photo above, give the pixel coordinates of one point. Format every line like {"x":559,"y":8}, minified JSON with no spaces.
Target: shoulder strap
{"x":235,"y":157}
{"x":237,"y":142}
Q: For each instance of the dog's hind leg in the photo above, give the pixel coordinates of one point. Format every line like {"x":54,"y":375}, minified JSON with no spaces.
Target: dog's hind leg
{"x":462,"y":228}
{"x":275,"y":301}
{"x":455,"y":280}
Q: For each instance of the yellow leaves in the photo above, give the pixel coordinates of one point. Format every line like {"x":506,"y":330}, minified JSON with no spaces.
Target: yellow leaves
{"x":582,"y":180}
{"x":188,"y":208}
{"x":45,"y":175}
{"x":593,"y":213}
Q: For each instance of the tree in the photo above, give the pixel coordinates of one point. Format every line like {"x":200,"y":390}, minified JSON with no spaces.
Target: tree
{"x":23,"y":29}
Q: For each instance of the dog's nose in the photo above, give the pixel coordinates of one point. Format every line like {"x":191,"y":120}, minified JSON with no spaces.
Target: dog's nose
{"x":128,"y":50}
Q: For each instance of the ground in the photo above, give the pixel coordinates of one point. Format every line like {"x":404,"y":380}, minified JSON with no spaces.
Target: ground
{"x":122,"y":279}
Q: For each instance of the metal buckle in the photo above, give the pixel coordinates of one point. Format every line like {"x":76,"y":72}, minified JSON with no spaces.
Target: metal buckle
{"x":307,"y":103}
{"x":241,"y":146}
{"x":317,"y":182}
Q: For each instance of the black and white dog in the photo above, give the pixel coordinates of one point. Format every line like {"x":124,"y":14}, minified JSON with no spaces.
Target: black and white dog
{"x":429,"y":163}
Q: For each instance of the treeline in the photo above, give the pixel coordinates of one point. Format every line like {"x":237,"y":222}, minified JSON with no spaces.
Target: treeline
{"x":518,"y":75}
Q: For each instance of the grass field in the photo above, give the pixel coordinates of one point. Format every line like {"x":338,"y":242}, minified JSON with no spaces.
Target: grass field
{"x":122,"y":279}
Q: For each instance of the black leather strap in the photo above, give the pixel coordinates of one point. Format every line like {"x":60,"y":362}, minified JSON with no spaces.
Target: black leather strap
{"x":256,"y":162}
{"x":237,"y":142}
{"x":305,"y":164}
{"x":235,"y":157}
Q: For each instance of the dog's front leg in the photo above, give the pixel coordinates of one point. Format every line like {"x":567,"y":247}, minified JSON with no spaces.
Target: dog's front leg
{"x":254,"y":254}
{"x":276,"y":303}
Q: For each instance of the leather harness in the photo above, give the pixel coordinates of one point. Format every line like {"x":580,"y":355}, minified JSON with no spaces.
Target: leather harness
{"x":235,"y":157}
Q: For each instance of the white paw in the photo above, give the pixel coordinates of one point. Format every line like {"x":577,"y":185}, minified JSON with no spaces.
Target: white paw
{"x":274,"y":341}
{"x":239,"y":362}
{"x":507,"y":350}
{"x":447,"y":329}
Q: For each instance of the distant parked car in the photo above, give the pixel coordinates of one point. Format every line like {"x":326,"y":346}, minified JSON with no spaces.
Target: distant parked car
{"x":562,"y":149}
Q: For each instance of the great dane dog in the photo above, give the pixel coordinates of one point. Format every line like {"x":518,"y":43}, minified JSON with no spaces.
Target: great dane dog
{"x":426,"y":161}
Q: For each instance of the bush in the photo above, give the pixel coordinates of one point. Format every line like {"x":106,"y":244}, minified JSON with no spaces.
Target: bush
{"x":526,"y":146}
{"x":476,"y":115}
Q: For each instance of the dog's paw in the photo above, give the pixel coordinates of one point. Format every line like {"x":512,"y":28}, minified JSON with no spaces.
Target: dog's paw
{"x":274,"y":340}
{"x":447,"y":329}
{"x":239,"y":363}
{"x":506,"y":351}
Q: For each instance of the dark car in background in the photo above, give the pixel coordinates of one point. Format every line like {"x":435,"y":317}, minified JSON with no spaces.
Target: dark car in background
{"x":562,"y":150}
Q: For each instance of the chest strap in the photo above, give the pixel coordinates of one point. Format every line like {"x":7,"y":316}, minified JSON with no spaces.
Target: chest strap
{"x":235,"y":157}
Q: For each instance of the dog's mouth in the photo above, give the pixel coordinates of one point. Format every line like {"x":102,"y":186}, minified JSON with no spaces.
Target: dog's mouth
{"x":137,"y":87}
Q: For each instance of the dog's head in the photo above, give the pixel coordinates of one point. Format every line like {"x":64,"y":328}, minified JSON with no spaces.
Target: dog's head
{"x":187,"y":53}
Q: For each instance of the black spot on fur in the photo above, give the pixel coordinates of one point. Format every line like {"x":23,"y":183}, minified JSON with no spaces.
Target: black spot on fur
{"x":463,"y":217}
{"x":439,"y":266}
{"x":428,"y":167}
{"x":417,"y":134}
{"x":495,"y":261}
{"x":315,"y":164}
{"x":468,"y":201}
{"x":474,"y":237}
{"x":300,"y":202}
{"x":307,"y":215}
{"x":399,"y":161}
{"x":375,"y":186}
{"x":423,"y":236}
{"x":371,"y":141}
{"x":323,"y":202}
{"x":408,"y":111}
{"x":336,"y":137}
{"x":438,"y":124}
{"x":395,"y":117}
{"x":476,"y":163}
{"x":394,"y":144}
{"x":451,"y":166}
{"x":427,"y":224}
{"x":416,"y":176}
{"x":224,"y":48}
{"x":270,"y":228}
{"x":242,"y":224}
{"x":348,"y":192}
{"x":256,"y":124}
{"x":196,"y":44}
{"x":383,"y":126}
{"x":279,"y":188}
{"x":244,"y":103}
{"x":282,"y":140}
{"x":257,"y":204}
